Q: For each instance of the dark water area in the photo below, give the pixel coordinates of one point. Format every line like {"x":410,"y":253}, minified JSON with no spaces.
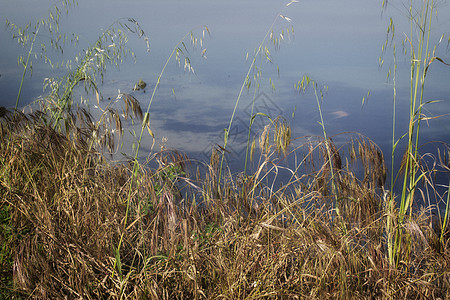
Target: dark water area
{"x":338,"y":44}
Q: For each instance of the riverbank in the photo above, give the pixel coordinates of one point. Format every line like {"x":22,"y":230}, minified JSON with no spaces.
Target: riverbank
{"x":75,"y":225}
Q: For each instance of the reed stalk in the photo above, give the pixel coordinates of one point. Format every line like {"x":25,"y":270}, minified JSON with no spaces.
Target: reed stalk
{"x":446,"y":217}
{"x":390,"y":197}
{"x":420,"y":59}
{"x":25,"y":66}
{"x":245,"y":83}
{"x":146,"y":125}
{"x":301,"y":86}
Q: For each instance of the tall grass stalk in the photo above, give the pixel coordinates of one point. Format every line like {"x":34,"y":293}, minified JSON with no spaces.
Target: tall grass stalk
{"x":23,"y":37}
{"x":420,"y":59}
{"x":446,"y":216}
{"x":257,"y":78}
{"x":245,"y":83}
{"x":25,"y":66}
{"x":178,"y":52}
{"x":302,"y":86}
{"x":417,"y":58}
{"x":391,"y":198}
{"x":252,"y":119}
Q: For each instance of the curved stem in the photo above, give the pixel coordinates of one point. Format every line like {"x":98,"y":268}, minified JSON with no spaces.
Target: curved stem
{"x":26,"y":67}
{"x":244,"y":83}
{"x":145,"y":122}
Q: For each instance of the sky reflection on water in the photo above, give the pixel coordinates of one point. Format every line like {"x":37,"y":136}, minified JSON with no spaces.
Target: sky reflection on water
{"x":337,"y":43}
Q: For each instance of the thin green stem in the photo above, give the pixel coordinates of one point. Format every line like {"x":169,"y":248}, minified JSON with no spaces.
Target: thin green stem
{"x":330,"y":162}
{"x":390,"y":229}
{"x":447,"y":208}
{"x":145,"y":123}
{"x":419,"y":56}
{"x":26,"y":67}
{"x":244,"y":83}
{"x":250,"y":129}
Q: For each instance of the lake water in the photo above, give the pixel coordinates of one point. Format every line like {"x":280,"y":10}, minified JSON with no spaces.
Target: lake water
{"x":337,"y":43}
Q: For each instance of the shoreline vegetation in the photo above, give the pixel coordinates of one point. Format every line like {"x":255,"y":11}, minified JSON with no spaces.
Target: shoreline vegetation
{"x":74,"y":224}
{"x":65,"y":209}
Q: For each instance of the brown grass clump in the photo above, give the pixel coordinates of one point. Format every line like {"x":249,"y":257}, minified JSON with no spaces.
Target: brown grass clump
{"x":63,"y":209}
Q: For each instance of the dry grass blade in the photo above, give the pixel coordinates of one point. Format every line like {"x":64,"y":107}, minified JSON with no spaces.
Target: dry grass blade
{"x":131,"y":103}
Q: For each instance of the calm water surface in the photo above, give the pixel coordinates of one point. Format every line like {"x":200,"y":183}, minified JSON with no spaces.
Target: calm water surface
{"x":337,"y":43}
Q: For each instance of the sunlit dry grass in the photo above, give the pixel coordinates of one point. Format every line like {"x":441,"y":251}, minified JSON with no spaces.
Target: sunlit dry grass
{"x":64,"y":206}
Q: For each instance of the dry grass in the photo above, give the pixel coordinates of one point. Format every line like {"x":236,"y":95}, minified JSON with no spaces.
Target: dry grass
{"x":63,"y":208}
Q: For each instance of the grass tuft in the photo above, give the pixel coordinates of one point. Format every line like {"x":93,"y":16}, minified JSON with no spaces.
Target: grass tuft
{"x":64,"y":208}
